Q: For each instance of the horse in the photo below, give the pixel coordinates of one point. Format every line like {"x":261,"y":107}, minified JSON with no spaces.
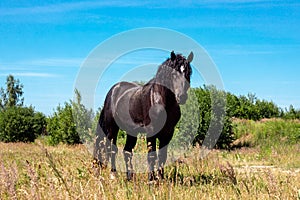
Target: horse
{"x":152,"y":109}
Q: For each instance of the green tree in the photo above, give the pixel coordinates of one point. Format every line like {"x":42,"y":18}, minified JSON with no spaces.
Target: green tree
{"x":12,"y":95}
{"x":21,"y":124}
{"x":71,"y":123}
{"x":267,"y":109}
{"x":18,"y":123}
{"x":292,"y":113}
{"x":250,"y":107}
{"x":212,"y":118}
{"x":61,"y":126}
{"x":232,"y":105}
{"x":83,"y":119}
{"x":187,"y":128}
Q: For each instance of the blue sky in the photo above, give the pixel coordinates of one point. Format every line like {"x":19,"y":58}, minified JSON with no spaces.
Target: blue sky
{"x":255,"y":44}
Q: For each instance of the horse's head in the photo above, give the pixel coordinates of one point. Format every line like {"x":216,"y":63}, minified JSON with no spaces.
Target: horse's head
{"x":181,"y":76}
{"x":176,"y":71}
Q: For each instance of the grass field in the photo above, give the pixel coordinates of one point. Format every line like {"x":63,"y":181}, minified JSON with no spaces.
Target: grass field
{"x":265,"y":166}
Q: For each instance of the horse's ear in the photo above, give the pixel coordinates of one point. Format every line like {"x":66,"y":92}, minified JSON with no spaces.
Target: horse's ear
{"x":190,"y":57}
{"x":173,"y":56}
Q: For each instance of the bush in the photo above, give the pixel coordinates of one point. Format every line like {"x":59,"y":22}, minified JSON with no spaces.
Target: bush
{"x":187,"y":128}
{"x":268,"y":133}
{"x":292,"y":113}
{"x":72,"y":124}
{"x":21,"y":124}
{"x":212,"y":119}
{"x":249,"y":107}
{"x":61,"y":126}
{"x":277,"y":132}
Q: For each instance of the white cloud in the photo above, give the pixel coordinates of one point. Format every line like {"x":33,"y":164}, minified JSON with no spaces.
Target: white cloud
{"x":66,"y":7}
{"x":30,"y":74}
{"x":85,"y":5}
{"x":39,"y":67}
{"x":45,"y":62}
{"x":54,"y":62}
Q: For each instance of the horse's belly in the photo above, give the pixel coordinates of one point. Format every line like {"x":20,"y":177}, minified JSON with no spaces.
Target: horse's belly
{"x":122,"y":114}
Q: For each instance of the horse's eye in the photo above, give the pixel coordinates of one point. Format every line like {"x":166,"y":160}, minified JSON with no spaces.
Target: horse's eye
{"x":182,"y":68}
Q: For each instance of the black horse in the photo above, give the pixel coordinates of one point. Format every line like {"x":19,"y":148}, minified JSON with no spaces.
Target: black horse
{"x":152,"y":109}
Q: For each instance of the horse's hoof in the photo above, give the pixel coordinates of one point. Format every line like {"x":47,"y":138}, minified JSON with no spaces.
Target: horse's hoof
{"x":113,"y":175}
{"x":154,"y":182}
{"x":130,"y":176}
{"x":151,"y":182}
{"x":103,"y":165}
{"x":160,"y":173}
{"x":152,"y":176}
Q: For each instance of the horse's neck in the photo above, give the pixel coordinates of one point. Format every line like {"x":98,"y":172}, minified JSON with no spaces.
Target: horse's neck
{"x":165,"y":94}
{"x":159,"y":86}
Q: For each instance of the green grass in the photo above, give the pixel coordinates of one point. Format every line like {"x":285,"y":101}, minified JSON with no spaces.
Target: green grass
{"x":273,"y":138}
{"x":267,"y":168}
{"x":268,"y":131}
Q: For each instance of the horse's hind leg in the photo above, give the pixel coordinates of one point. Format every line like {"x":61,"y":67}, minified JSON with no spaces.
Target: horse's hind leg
{"x":100,"y":147}
{"x":106,"y":134}
{"x":130,"y":143}
{"x":162,"y":157}
{"x":152,"y":157}
{"x":112,"y":148}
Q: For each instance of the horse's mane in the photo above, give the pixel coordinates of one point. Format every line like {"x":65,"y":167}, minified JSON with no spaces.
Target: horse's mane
{"x":175,"y":64}
{"x":164,"y":73}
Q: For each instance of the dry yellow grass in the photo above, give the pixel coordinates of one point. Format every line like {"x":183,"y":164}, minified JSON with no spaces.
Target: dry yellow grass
{"x":31,"y":171}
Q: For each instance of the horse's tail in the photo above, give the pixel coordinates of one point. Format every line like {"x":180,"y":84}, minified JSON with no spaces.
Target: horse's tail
{"x":100,"y":143}
{"x":100,"y":124}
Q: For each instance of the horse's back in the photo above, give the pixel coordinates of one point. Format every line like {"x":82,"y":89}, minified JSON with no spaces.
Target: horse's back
{"x":121,"y":87}
{"x":116,"y":106}
{"x":116,"y":91}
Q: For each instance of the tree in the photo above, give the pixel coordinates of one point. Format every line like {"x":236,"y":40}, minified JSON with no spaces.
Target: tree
{"x":21,"y":124}
{"x":18,"y":123}
{"x":212,"y":118}
{"x":250,"y":107}
{"x":292,"y":113}
{"x":83,"y":119}
{"x":267,"y":109}
{"x":71,"y":123}
{"x":187,"y":128}
{"x":12,"y":95}
{"x":61,"y":126}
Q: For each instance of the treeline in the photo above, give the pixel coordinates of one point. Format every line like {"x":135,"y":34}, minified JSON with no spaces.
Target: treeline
{"x":206,"y":111}
{"x":71,"y":123}
{"x":216,"y":109}
{"x":250,"y":107}
{"x":17,"y":122}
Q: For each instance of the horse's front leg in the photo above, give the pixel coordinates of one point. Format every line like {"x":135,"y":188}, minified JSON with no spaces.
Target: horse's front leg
{"x":152,"y":157}
{"x":130,"y":143}
{"x":163,"y":153}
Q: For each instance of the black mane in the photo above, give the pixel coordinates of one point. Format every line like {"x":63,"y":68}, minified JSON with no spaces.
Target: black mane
{"x":176,"y":64}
